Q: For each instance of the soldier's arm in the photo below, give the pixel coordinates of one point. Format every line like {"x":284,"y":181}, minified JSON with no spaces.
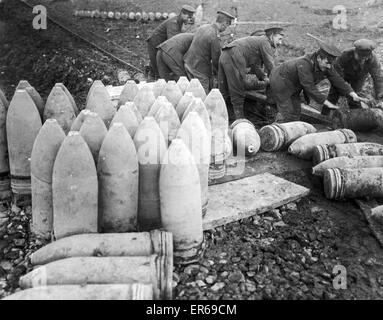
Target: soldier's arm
{"x":267,"y":56}
{"x":340,"y":64}
{"x":376,"y":73}
{"x":306,"y":79}
{"x":215,"y":53}
{"x":338,"y":82}
{"x":172,"y":29}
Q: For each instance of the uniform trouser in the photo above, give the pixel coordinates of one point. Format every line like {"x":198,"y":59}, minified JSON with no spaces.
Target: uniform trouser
{"x":333,"y":95}
{"x":204,"y":79}
{"x":231,"y":86}
{"x":286,"y":96}
{"x":168,"y":68}
{"x":152,"y":51}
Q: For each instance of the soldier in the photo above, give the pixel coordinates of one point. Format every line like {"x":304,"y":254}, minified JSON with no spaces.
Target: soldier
{"x":291,"y":77}
{"x":354,"y":65}
{"x":170,"y":56}
{"x":166,"y":30}
{"x":248,"y":52}
{"x":201,"y":60}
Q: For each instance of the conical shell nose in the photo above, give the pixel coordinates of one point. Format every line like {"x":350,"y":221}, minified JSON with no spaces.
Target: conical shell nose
{"x":77,"y":123}
{"x":172,"y":92}
{"x":99,"y":101}
{"x":59,"y":107}
{"x":168,"y":121}
{"x":70,"y":97}
{"x":160,"y":101}
{"x":158,"y":87}
{"x":183,"y":104}
{"x":196,"y":88}
{"x":127,"y":117}
{"x":133,"y":107}
{"x":198,"y":106}
{"x":25,"y":85}
{"x":150,"y":142}
{"x":183,"y":83}
{"x":144,"y":100}
{"x":128,"y":93}
{"x":93,"y":131}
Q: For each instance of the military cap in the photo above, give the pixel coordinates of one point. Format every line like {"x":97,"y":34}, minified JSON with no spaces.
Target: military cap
{"x":364,"y":46}
{"x":258,"y":33}
{"x":226,"y":14}
{"x":187,"y":9}
{"x":329,"y":49}
{"x":274,"y":30}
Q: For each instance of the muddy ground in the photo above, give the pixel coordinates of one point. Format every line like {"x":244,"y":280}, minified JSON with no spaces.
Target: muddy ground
{"x":289,"y":253}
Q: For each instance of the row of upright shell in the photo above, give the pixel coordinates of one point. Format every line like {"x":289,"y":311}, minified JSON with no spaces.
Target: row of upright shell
{"x":133,"y":16}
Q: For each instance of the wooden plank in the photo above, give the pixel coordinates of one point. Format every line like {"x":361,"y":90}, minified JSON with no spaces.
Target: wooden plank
{"x":235,"y":200}
{"x":372,"y":212}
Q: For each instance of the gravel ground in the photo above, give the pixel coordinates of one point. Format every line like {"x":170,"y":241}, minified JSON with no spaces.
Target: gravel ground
{"x":288,"y":253}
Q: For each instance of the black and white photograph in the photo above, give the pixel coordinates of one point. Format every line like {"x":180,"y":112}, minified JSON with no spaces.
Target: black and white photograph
{"x":192,"y":154}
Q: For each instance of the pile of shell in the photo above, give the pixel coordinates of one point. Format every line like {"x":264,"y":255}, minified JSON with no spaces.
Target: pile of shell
{"x":124,"y":266}
{"x":140,"y":166}
{"x":349,"y":169}
{"x":130,"y":16}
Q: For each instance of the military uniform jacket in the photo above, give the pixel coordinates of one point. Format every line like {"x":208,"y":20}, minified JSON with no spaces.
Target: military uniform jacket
{"x":253,"y":52}
{"x":204,"y":51}
{"x":165,"y":31}
{"x":350,"y":69}
{"x":303,"y":73}
{"x":177,"y":46}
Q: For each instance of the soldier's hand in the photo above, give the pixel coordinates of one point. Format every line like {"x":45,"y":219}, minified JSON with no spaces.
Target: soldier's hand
{"x":355,"y":97}
{"x":330,"y":105}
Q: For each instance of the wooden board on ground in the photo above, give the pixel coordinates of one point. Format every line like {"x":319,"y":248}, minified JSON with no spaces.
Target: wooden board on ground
{"x":371,"y":211}
{"x":235,"y":200}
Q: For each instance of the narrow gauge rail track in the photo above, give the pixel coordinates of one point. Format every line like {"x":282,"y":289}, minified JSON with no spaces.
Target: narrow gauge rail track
{"x":107,"y":46}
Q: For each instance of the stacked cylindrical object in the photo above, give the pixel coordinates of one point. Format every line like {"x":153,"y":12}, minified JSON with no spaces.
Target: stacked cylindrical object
{"x":22,"y":125}
{"x":181,"y":205}
{"x":143,"y":260}
{"x":118,"y":181}
{"x":219,"y":121}
{"x":245,"y":138}
{"x":325,"y":152}
{"x":353,"y":162}
{"x":134,"y":291}
{"x":151,"y":147}
{"x":360,"y":119}
{"x":342,"y":183}
{"x":97,"y":178}
{"x":278,"y":136}
{"x":303,"y":147}
{"x":44,"y":153}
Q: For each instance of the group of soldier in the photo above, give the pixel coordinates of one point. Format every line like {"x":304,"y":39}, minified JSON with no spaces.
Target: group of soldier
{"x":232,"y":66}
